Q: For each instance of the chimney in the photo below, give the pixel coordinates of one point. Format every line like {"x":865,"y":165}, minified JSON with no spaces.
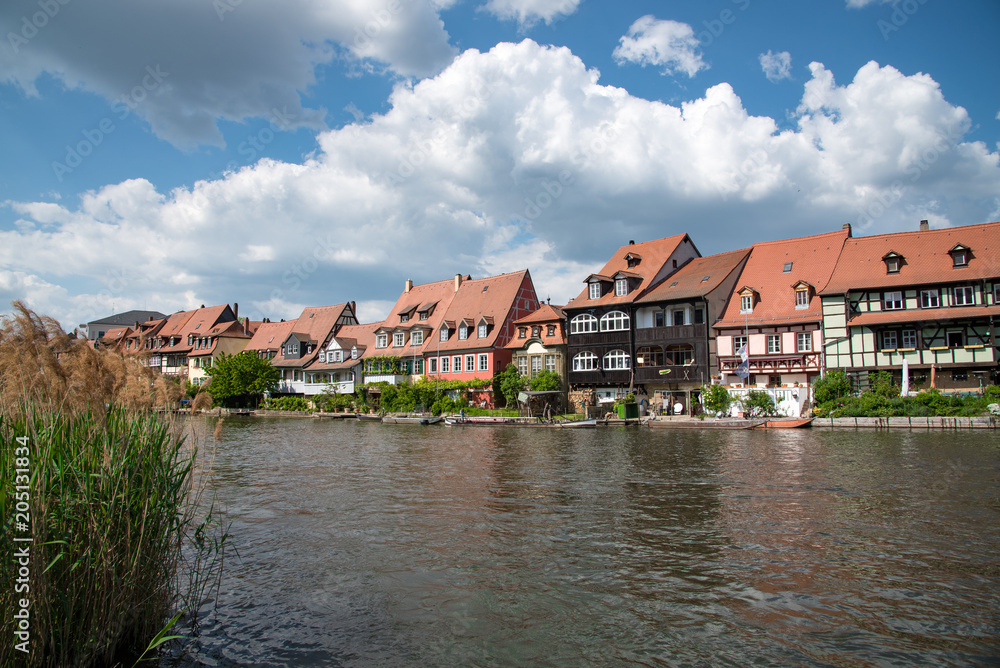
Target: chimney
{"x":924,"y":226}
{"x":236,"y":310}
{"x":847,"y":226}
{"x":458,"y":281}
{"x":408,"y":285}
{"x":631,"y":242}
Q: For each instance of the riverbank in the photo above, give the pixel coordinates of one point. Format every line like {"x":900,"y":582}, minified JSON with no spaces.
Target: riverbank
{"x":922,"y":423}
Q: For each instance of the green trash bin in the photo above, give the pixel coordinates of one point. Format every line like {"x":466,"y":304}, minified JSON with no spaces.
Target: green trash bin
{"x":628,"y":411}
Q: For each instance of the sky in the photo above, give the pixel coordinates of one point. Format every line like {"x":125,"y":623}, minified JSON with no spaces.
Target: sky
{"x":166,"y":154}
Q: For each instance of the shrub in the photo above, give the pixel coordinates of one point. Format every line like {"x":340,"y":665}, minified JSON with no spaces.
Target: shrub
{"x":716,"y":398}
{"x":832,"y":386}
{"x":758,"y":403}
{"x":287,"y":404}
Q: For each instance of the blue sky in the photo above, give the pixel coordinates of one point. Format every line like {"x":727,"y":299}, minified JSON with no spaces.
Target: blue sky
{"x":168,"y":154}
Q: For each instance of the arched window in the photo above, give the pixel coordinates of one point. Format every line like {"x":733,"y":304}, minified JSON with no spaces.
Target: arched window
{"x":616,"y":359}
{"x":583,"y":324}
{"x":649,"y":356}
{"x":615,"y":321}
{"x":680,"y":354}
{"x":584,"y":362}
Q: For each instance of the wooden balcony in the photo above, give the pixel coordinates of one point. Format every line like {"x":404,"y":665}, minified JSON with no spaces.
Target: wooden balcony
{"x":620,"y":339}
{"x":677,"y":334}
{"x":600,"y":377}
{"x":684,"y":373}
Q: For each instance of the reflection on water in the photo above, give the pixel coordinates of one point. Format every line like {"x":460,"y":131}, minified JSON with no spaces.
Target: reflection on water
{"x":366,"y":544}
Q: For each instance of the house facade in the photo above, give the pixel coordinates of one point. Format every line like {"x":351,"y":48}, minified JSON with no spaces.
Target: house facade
{"x":339,"y":366}
{"x":777,"y":313}
{"x":301,"y":341}
{"x":230,"y":338}
{"x":539,"y":344}
{"x":929,"y":298}
{"x":675,"y":352}
{"x":600,"y":337}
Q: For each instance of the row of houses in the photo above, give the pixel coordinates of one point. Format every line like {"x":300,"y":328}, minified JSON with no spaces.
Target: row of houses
{"x":658,"y":320}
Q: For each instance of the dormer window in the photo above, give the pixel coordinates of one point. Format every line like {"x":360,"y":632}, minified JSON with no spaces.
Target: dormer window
{"x":404,"y":317}
{"x":621,"y":287}
{"x":321,"y":357}
{"x":746,"y":303}
{"x":444,"y":333}
{"x":594,"y":290}
{"x":632,"y":260}
{"x":482,"y":330}
{"x":551,"y":330}
{"x":417,"y":338}
{"x":382,"y":340}
{"x":960,"y":255}
{"x":802,"y":298}
{"x":536,"y":332}
{"x":398,"y":339}
{"x":337,"y":356}
{"x":354,"y":353}
{"x":893,"y":262}
{"x":424,"y":315}
{"x":522,"y":332}
{"x":463,"y":332}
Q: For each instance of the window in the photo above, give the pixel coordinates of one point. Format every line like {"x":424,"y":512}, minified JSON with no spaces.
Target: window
{"x":678,"y":318}
{"x":432,"y":365}
{"x":773,"y":343}
{"x":522,"y":332}
{"x":354,"y":353}
{"x":964,"y":296}
{"x":444,"y":365}
{"x":424,"y":315}
{"x":892,"y":301}
{"x":959,"y":258}
{"x":956,"y":339}
{"x":417,"y":338}
{"x":456,"y":364}
{"x":444,"y":333}
{"x":929,"y":299}
{"x":892,"y":265}
{"x":398,"y":339}
{"x":621,"y":287}
{"x":470,"y":363}
{"x":746,"y":304}
{"x":536,"y":364}
{"x":550,"y":362}
{"x":581,"y":362}
{"x":909,"y":338}
{"x":293,"y":348}
{"x":803,"y":342}
{"x":996,"y":294}
{"x":550,"y":330}
{"x":787,"y":268}
{"x":484,"y":362}
{"x":774,"y":381}
{"x":536,"y":332}
{"x":649,"y":356}
{"x":616,"y":321}
{"x":381,"y":341}
{"x":658,"y":319}
{"x":802,"y":298}
{"x":522,"y":366}
{"x":616,"y":360}
{"x":679,"y":354}
{"x":594,"y":290}
{"x":699,"y":316}
{"x":889,"y":340}
{"x":738,"y":342}
{"x":482,"y":330}
{"x":583,"y":324}
{"x":463,"y":332}
{"x":404,"y":317}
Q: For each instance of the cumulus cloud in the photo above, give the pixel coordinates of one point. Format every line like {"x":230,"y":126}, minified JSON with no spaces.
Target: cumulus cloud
{"x":516,"y":158}
{"x":670,"y":44}
{"x":528,"y":12}
{"x":239,"y":59}
{"x":776,"y":66}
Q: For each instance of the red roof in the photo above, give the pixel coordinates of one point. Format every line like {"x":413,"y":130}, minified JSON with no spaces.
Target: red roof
{"x":545,"y":313}
{"x":811,"y":259}
{"x":925,"y":258}
{"x":315,"y":325}
{"x":348,"y":336}
{"x":477,"y":299}
{"x":923,"y":315}
{"x":544,"y":316}
{"x":651,"y":256}
{"x":697,"y":278}
{"x":270,"y":336}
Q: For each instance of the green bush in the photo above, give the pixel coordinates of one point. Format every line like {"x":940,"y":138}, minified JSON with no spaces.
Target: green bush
{"x":834,"y":385}
{"x":758,"y":403}
{"x":287,"y":404}
{"x":716,"y":398}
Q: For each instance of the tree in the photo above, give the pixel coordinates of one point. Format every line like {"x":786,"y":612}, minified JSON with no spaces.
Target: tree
{"x":511,"y":383}
{"x":546,"y":381}
{"x":832,"y":386}
{"x":716,"y":398}
{"x":241,"y":380}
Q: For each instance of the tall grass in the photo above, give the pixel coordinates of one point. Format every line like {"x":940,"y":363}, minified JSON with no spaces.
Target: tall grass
{"x":114,"y":514}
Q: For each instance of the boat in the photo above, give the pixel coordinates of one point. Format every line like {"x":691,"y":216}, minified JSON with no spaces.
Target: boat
{"x":454,"y":420}
{"x":576,"y":424}
{"x":792,"y":423}
{"x":411,"y":419}
{"x":364,"y":417}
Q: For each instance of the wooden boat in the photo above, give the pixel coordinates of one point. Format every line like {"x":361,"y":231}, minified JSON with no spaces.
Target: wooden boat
{"x":710,"y":423}
{"x":411,"y":419}
{"x":364,"y":417}
{"x":577,"y":424}
{"x":791,"y":423}
{"x":453,"y":420}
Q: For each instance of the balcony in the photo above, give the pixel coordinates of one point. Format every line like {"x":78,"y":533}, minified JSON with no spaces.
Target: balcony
{"x":600,"y":377}
{"x":599,"y":339}
{"x":674,"y":334}
{"x":681,"y":373}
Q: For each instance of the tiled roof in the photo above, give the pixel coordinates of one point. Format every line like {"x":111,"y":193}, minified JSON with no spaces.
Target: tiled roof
{"x":270,"y":336}
{"x":811,"y":259}
{"x":698,"y":277}
{"x":545,"y":313}
{"x":926,"y":258}
{"x":198,"y":322}
{"x":128,"y":318}
{"x":361,"y":336}
{"x":653,"y":255}
{"x":479,"y":299}
{"x":316,"y":323}
{"x":917,"y":316}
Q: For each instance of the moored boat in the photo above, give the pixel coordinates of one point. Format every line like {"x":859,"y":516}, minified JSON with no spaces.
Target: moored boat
{"x":411,"y":419}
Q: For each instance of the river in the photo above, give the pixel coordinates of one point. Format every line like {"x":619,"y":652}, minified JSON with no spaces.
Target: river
{"x":365,"y":544}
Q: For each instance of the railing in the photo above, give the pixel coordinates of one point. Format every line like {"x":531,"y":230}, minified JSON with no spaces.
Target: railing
{"x":598,"y":339}
{"x":675,"y":333}
{"x":600,"y":377}
{"x":677,"y":374}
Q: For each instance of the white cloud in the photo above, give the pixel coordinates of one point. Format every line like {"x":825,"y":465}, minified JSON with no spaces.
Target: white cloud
{"x":652,"y":41}
{"x":239,"y":59}
{"x":776,"y":66}
{"x":516,"y":158}
{"x":527,"y":12}
{"x":857,"y":4}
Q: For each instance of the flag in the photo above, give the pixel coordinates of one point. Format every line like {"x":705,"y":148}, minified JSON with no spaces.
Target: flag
{"x":743,"y":370}
{"x":742,"y":352}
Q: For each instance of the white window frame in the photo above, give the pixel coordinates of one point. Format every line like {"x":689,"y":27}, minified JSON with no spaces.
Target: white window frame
{"x":484,"y":362}
{"x":470,"y":363}
{"x":432,"y":365}
{"x":463,"y":332}
{"x":584,"y":323}
{"x":893,"y":301}
{"x":594,"y":290}
{"x":398,"y":339}
{"x":550,"y":362}
{"x":802,"y":298}
{"x":968,"y":296}
{"x":930,"y":299}
{"x":522,"y":365}
{"x":746,"y":303}
{"x":417,"y":338}
{"x":482,"y":330}
{"x":536,"y":364}
{"x":456,"y":364}
{"x":616,"y":360}
{"x":739,"y":342}
{"x":909,"y":338}
{"x":615,"y":321}
{"x":621,"y":287}
{"x":803,"y":342}
{"x":445,"y":364}
{"x":381,"y":341}
{"x":773,"y":344}
{"x":444,"y":333}
{"x":585,"y":361}
{"x":889,"y":340}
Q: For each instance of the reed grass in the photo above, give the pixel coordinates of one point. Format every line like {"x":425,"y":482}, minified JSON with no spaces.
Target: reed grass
{"x":121,"y":538}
